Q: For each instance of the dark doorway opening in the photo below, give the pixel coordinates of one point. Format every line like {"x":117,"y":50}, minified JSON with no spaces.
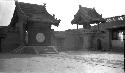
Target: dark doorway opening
{"x":99,"y":44}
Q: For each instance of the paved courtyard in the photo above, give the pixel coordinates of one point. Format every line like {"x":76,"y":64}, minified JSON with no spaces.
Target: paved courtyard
{"x":64,"y":62}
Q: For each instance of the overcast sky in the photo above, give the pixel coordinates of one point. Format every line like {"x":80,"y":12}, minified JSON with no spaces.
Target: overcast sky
{"x":65,"y":9}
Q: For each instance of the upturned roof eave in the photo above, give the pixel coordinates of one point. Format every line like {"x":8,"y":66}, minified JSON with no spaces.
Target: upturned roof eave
{"x":54,"y":22}
{"x":31,"y":16}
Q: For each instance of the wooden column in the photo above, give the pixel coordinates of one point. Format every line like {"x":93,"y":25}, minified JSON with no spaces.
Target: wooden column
{"x":77,"y":26}
{"x":22,"y":34}
{"x":21,"y":26}
{"x":98,"y":26}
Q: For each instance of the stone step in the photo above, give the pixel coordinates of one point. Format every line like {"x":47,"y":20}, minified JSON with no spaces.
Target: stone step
{"x":35,"y":50}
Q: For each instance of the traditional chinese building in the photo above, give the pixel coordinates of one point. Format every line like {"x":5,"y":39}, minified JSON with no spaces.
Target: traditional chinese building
{"x":86,"y":16}
{"x":30,"y":25}
{"x":108,"y":36}
{"x":113,"y":32}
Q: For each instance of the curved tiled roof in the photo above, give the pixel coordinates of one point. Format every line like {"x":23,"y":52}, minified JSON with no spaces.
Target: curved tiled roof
{"x":35,"y":13}
{"x":111,"y":24}
{"x":87,"y":16}
{"x":32,"y":8}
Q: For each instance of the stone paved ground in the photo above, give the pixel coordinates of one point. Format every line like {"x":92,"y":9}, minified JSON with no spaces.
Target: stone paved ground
{"x":71,"y":62}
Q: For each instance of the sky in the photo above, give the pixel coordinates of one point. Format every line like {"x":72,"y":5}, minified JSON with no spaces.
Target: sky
{"x":65,"y":10}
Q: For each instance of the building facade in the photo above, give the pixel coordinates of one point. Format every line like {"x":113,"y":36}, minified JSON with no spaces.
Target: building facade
{"x":108,"y":36}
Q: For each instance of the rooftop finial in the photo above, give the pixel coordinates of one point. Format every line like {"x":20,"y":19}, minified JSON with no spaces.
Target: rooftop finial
{"x":101,"y":15}
{"x":54,"y":15}
{"x":44,"y":4}
{"x":80,"y":6}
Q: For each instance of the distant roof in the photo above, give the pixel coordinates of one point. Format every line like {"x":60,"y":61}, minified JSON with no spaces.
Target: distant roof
{"x":115,"y":18}
{"x":87,"y":16}
{"x":36,"y":13}
{"x":111,"y":24}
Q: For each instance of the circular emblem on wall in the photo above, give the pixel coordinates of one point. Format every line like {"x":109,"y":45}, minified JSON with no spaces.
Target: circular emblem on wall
{"x":40,"y":37}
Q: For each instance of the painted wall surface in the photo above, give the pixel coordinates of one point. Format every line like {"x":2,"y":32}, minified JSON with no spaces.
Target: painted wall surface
{"x":32,"y":40}
{"x":36,"y":28}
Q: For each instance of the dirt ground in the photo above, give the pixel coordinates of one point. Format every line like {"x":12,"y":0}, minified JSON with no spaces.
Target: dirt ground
{"x":64,"y":62}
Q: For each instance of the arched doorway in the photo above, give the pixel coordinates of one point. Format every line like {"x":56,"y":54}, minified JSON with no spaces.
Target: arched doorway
{"x":99,"y":44}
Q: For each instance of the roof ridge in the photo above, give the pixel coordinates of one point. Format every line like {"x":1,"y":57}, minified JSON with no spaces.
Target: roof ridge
{"x":30,"y":3}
